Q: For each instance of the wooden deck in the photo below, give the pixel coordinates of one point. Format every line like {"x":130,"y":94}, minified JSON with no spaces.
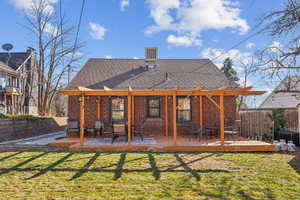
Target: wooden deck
{"x":165,"y":144}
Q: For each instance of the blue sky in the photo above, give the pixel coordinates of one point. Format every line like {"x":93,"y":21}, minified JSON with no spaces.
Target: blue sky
{"x":180,"y":28}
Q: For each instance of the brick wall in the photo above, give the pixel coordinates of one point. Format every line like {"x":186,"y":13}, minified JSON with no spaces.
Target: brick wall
{"x":211,"y":114}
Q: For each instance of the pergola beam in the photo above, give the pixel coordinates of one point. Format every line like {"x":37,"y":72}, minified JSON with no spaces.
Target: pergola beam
{"x":159,"y":92}
{"x":213,"y":101}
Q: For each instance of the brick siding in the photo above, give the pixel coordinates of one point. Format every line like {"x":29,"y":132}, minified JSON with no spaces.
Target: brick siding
{"x":211,"y":116}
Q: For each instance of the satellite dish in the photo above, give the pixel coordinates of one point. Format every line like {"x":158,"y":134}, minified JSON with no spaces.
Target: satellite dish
{"x":7,"y":47}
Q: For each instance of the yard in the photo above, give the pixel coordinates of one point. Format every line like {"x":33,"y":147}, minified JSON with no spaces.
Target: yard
{"x":64,"y":175}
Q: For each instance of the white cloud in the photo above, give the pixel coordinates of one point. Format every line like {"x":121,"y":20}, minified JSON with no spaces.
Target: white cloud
{"x":26,"y":5}
{"x":191,"y":17}
{"x":183,"y":41}
{"x":135,"y":57}
{"x":97,"y":31}
{"x":249,"y":45}
{"x":219,"y":55}
{"x":124,"y":4}
{"x":275,"y":46}
{"x":108,"y":57}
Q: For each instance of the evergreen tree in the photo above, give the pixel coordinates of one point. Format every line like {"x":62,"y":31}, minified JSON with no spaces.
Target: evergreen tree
{"x":229,"y":71}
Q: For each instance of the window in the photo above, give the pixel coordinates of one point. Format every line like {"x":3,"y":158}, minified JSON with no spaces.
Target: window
{"x":117,"y":109}
{"x":2,"y":81}
{"x":183,"y":109}
{"x":153,"y":107}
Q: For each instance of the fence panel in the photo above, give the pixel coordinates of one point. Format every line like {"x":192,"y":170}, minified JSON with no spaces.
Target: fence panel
{"x":256,"y":122}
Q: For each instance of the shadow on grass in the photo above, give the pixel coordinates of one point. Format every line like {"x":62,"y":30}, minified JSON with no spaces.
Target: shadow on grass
{"x":10,"y":156}
{"x":119,"y":168}
{"x":118,"y":171}
{"x":156,"y":172}
{"x":186,"y":167}
{"x":50,"y":167}
{"x":15,"y":167}
{"x":86,"y":166}
{"x":295,"y":163}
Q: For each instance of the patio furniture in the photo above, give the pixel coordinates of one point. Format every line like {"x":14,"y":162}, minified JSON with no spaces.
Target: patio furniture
{"x":98,"y":127}
{"x":231,"y":130}
{"x":138,"y":131}
{"x":196,"y":131}
{"x":119,"y":130}
{"x":72,"y":126}
{"x":212,"y":131}
{"x":287,"y":135}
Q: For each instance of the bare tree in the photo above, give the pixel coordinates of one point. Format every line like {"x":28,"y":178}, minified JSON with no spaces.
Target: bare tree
{"x":279,"y":61}
{"x":248,"y":69}
{"x":56,"y":50}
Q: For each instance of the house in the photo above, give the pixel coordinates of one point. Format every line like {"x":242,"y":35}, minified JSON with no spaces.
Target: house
{"x":166,"y":98}
{"x":286,"y":95}
{"x":17,"y":93}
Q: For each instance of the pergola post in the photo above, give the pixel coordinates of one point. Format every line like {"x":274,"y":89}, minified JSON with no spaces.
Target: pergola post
{"x":222,"y":135}
{"x":81,"y":119}
{"x":166,"y":116}
{"x":132,"y":110}
{"x":98,"y":101}
{"x":129,"y":117}
{"x":174,"y":118}
{"x":201,"y":111}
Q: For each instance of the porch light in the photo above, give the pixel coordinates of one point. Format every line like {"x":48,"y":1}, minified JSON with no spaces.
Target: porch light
{"x":97,"y":99}
{"x":80,"y":99}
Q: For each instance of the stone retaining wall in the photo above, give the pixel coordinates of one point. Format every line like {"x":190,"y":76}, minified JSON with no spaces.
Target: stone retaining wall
{"x":17,"y":129}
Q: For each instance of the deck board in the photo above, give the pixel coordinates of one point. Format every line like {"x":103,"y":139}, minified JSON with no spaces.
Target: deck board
{"x":165,"y":144}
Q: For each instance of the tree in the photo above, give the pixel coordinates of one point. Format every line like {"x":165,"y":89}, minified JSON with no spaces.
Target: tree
{"x":248,"y":68}
{"x":278,"y":61}
{"x":229,"y":71}
{"x":56,"y":50}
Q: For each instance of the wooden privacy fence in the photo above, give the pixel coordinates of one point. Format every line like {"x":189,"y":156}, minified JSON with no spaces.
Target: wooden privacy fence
{"x":256,"y":122}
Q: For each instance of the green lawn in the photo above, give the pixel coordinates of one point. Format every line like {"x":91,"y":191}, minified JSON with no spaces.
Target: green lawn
{"x":41,"y":175}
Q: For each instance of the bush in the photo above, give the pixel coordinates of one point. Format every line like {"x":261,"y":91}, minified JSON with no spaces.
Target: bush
{"x":277,"y":117}
{"x":19,"y":117}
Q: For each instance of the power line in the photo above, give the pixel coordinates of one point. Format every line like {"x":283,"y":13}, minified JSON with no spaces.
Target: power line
{"x":76,"y":37}
{"x":232,"y":47}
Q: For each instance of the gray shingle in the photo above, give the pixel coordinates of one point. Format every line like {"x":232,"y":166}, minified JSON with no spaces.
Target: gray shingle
{"x":284,"y":95}
{"x":120,"y":73}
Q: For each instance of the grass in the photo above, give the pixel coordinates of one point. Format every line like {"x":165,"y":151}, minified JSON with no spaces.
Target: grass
{"x":42,"y":175}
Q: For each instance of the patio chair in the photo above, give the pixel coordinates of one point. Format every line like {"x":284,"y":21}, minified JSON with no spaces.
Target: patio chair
{"x":72,"y":126}
{"x":98,"y":127}
{"x":138,"y":131}
{"x":231,"y":130}
{"x":119,"y":130}
{"x":195,"y":131}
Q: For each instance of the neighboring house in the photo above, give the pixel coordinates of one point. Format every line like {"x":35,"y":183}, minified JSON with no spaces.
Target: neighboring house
{"x":151,"y":74}
{"x":285,"y":95}
{"x":17,"y":79}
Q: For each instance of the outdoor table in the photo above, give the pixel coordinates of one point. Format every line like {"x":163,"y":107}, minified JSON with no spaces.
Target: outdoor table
{"x":287,"y":135}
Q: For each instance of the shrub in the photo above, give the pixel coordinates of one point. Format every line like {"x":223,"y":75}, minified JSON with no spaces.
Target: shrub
{"x":277,"y":117}
{"x":19,"y":117}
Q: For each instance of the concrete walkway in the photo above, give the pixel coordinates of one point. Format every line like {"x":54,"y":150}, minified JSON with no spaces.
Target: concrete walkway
{"x":42,"y":140}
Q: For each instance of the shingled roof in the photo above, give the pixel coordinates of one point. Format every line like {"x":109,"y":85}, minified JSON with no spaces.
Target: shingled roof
{"x":15,"y":59}
{"x":284,"y":95}
{"x":120,"y":73}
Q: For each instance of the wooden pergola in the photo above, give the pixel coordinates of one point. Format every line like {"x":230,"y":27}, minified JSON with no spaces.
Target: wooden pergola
{"x":130,"y":94}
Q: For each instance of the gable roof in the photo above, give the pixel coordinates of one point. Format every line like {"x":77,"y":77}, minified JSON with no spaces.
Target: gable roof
{"x":120,"y":73}
{"x":15,"y":59}
{"x":283,"y":96}
{"x":5,"y":68}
